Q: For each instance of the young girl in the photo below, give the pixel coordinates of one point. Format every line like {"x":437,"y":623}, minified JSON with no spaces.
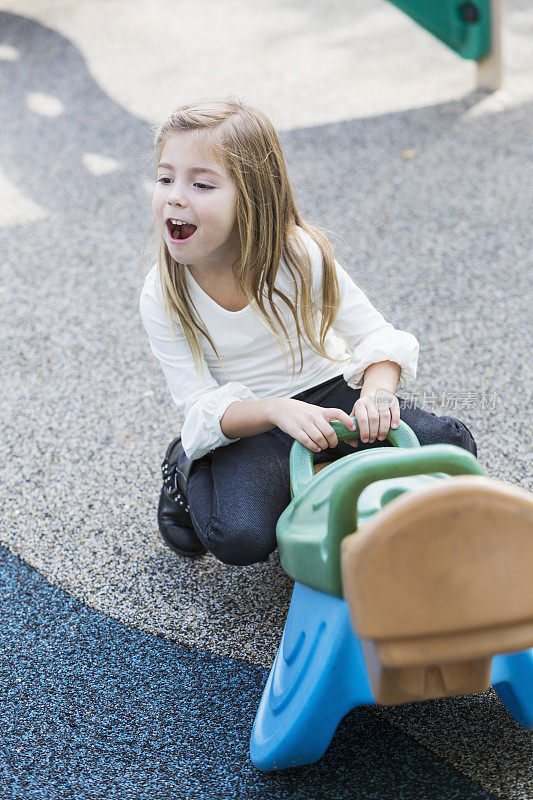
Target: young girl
{"x":239,"y":276}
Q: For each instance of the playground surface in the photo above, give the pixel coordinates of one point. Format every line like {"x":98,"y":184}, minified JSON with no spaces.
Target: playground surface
{"x":141,"y":669}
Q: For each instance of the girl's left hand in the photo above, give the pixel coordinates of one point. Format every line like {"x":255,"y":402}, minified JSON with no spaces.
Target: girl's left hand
{"x":375,"y":412}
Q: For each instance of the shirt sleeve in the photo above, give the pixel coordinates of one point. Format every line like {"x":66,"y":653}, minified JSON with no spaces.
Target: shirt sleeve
{"x":369,"y":337}
{"x":201,"y":400}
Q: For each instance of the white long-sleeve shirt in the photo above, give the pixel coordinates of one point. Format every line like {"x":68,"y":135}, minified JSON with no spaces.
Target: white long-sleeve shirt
{"x":252,"y":355}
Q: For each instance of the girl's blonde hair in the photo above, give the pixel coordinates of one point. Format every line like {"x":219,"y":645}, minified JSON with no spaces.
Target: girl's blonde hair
{"x":246,"y":143}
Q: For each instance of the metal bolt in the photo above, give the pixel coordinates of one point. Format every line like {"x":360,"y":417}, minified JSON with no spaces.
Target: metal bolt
{"x":469,"y":13}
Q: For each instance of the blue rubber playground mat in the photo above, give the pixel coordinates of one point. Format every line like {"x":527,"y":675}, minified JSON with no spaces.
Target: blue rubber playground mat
{"x":93,"y":708}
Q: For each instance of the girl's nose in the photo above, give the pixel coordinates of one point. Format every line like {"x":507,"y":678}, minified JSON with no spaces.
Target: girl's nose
{"x":176,"y":197}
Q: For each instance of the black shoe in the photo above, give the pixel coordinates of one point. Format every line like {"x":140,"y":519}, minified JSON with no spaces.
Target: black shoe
{"x":173,"y":517}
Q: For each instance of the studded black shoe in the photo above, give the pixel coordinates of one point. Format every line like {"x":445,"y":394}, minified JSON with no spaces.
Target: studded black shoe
{"x":173,"y":516}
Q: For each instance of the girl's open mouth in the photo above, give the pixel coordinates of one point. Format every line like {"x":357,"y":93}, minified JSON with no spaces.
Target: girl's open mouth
{"x":179,"y":231}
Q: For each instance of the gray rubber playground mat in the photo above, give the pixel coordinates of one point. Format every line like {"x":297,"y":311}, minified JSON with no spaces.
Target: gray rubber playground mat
{"x":431,"y":209}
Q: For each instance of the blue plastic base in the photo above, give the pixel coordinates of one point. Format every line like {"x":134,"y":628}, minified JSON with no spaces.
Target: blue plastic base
{"x":320,"y":674}
{"x":512,"y":679}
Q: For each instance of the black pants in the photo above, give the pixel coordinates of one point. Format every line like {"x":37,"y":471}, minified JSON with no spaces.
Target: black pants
{"x":237,"y":493}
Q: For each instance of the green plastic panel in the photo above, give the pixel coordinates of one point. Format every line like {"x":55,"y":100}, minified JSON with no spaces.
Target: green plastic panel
{"x":465,"y":27}
{"x":348,"y":492}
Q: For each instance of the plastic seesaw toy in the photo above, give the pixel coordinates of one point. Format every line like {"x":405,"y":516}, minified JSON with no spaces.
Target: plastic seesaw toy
{"x":414,"y":580}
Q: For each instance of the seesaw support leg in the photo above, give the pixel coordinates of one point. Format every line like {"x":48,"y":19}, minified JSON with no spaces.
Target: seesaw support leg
{"x":318,"y":676}
{"x":512,"y":679}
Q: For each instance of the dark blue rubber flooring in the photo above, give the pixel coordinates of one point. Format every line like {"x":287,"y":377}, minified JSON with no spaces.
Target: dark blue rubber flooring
{"x":91,"y":708}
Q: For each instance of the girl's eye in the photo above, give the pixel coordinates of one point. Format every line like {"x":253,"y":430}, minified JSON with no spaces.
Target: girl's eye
{"x":166,"y":180}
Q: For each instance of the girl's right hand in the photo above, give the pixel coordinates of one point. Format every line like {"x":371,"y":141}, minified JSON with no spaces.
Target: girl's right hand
{"x":309,"y":424}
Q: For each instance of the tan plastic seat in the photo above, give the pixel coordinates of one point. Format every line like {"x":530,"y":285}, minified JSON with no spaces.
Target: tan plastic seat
{"x":437,"y":583}
{"x":318,"y":467}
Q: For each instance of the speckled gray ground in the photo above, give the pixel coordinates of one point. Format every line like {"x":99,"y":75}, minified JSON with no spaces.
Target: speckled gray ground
{"x":426,"y":185}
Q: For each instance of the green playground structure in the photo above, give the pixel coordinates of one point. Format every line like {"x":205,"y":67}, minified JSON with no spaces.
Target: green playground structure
{"x":471,"y":29}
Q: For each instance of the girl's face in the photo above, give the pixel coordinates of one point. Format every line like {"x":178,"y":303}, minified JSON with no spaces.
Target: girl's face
{"x":194,"y":188}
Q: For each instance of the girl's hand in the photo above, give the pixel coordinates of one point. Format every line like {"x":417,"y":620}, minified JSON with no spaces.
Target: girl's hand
{"x":376,"y":412}
{"x":307,"y":423}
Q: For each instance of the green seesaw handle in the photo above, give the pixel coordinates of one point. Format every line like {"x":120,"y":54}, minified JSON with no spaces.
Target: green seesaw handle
{"x":301,"y":457}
